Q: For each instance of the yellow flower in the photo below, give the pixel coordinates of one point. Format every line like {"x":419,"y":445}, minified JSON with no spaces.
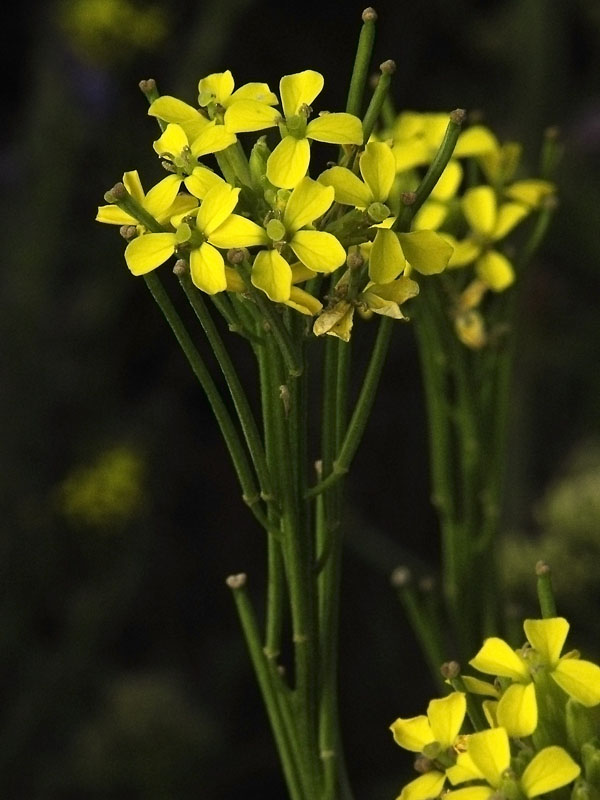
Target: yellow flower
{"x":441,"y":726}
{"x":246,"y":109}
{"x":288,"y":163}
{"x":378,"y":169}
{"x":162,"y":201}
{"x":437,"y":732}
{"x":489,"y":223}
{"x":488,"y":758}
{"x":517,"y":709}
{"x":216,"y":226}
{"x":417,"y":138}
{"x":318,"y":250}
{"x":175,"y":145}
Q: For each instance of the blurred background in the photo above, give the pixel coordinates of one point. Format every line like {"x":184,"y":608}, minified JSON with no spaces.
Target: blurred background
{"x":123,"y":672}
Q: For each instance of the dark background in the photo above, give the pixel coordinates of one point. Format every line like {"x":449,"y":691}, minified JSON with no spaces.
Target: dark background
{"x":123,"y":672}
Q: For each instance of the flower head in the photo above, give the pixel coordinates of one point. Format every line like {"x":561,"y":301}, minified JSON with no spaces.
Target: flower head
{"x":288,"y":163}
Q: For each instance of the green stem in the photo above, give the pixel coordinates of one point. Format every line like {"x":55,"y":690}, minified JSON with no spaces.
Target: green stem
{"x":422,"y":624}
{"x":238,"y":395}
{"x":288,"y":349}
{"x":362,"y":410}
{"x":265,"y":678}
{"x":228,"y":431}
{"x":377,"y":100}
{"x":360,"y":71}
{"x":544,"y":590}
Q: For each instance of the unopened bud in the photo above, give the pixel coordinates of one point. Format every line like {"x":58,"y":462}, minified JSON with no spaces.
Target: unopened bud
{"x":354,"y":259}
{"x":423,"y":764}
{"x":400,"y":577}
{"x":128,"y":232}
{"x":542,"y":568}
{"x":236,"y":581}
{"x":450,"y":670}
{"x":458,"y":116}
{"x":237,"y":255}
{"x":180,"y":268}
{"x":118,"y":192}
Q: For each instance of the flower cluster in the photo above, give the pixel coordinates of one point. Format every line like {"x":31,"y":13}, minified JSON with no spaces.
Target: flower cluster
{"x":536,"y":731}
{"x":349,"y":222}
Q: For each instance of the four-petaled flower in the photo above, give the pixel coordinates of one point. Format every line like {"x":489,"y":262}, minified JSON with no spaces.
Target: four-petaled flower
{"x":318,"y":250}
{"x":288,"y":162}
{"x":487,"y":758}
{"x":517,"y":708}
{"x":216,"y":226}
{"x":162,"y":201}
{"x":431,"y":735}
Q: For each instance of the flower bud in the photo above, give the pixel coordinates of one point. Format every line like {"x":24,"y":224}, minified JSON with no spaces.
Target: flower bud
{"x":582,"y":724}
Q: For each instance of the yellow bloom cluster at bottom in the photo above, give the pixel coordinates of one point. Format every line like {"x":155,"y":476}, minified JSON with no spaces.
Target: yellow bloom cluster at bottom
{"x":544,"y":726}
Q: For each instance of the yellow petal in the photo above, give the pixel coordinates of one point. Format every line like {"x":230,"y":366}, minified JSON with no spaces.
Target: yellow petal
{"x":426,"y":786}
{"x":272,"y":274}
{"x":216,"y":207}
{"x":201,"y":181}
{"x":338,"y":128}
{"x":250,"y":115}
{"x":470,"y":793}
{"x":132,"y":183}
{"x":160,"y":198}
{"x":301,"y":273}
{"x":234,"y":280}
{"x":475,"y":141}
{"x":449,"y":181}
{"x":531,"y":191}
{"x":386,"y":259}
{"x":509,"y":216}
{"x":490,"y":711}
{"x":145,"y":253}
{"x":550,"y":769}
{"x":579,"y":679}
{"x":215,"y":88}
{"x":172,"y":141}
{"x":547,"y":636}
{"x":238,"y":231}
{"x":412,"y":734}
{"x":287,"y":164}
{"x":182,"y":206}
{"x":465,"y":251}
{"x":495,"y":270}
{"x":309,"y":201}
{"x":496,"y":657}
{"x":318,"y":250}
{"x":463,"y":770}
{"x":378,"y":168}
{"x":399,"y":291}
{"x":113,"y":215}
{"x":348,"y":187}
{"x":446,"y":717}
{"x":490,"y":752}
{"x":207,"y":269}
{"x":303,"y":302}
{"x":170,"y":109}
{"x":517,"y":710}
{"x":212,"y":139}
{"x":426,"y":251}
{"x":479,"y":206}
{"x":336,"y":321}
{"x":253,"y":91}
{"x":299,"y":89}
{"x":477,"y":686}
{"x":410,"y":154}
{"x":470,"y":329}
{"x":430,"y":216}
